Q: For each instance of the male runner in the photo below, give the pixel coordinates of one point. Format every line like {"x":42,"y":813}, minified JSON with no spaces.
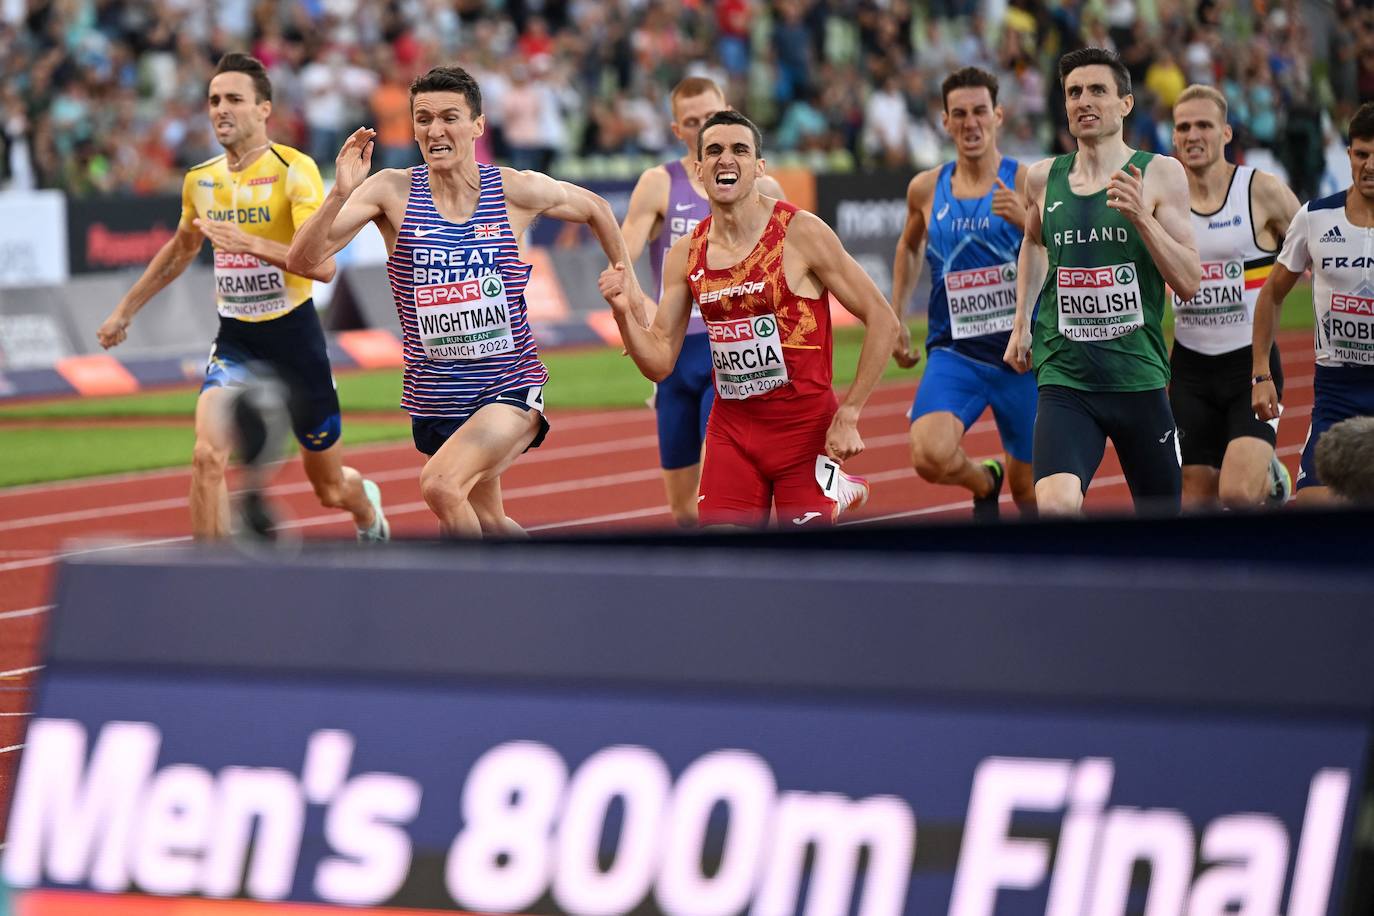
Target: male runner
{"x":969,"y":219}
{"x":1108,"y":227}
{"x":1239,"y":219}
{"x":1333,"y":236}
{"x":249,"y":202}
{"x":666,"y":205}
{"x":759,"y":270}
{"x":474,"y":384}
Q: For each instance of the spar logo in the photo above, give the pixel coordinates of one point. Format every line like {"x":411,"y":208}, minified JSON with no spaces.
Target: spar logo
{"x":981,"y":276}
{"x":1094,"y":277}
{"x":738,"y":330}
{"x":1352,"y":305}
{"x":1220,"y":270}
{"x":491,"y":287}
{"x":1125,"y":274}
{"x":232,"y":261}
{"x":448,"y":293}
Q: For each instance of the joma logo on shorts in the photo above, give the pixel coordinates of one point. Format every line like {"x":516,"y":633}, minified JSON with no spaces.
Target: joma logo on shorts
{"x":743,"y":289}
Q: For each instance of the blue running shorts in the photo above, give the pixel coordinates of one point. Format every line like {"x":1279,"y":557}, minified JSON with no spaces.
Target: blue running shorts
{"x":966,"y":387}
{"x":683,"y":404}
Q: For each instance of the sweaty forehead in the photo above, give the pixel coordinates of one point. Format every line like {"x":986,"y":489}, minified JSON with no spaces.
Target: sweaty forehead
{"x":441,"y":101}
{"x":1197,"y":110}
{"x":970,"y":97}
{"x":703,"y":104}
{"x":1090,"y":75}
{"x":233,"y":82}
{"x":728,"y":135}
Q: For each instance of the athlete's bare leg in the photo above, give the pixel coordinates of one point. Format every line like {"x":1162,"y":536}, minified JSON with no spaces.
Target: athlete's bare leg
{"x":1244,"y":479}
{"x":480,"y":450}
{"x":1316,"y":498}
{"x":939,"y":458}
{"x":491,"y":513}
{"x":209,"y":462}
{"x":1059,"y":494}
{"x":337,"y":486}
{"x":1021,"y":479}
{"x":1201,"y":486}
{"x":681,"y":485}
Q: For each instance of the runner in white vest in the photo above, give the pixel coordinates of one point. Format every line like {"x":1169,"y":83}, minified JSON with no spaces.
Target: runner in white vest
{"x":1240,"y":217}
{"x":1334,"y":236}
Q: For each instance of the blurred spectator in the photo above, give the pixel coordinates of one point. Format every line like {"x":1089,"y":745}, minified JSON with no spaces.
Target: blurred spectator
{"x":887,"y":124}
{"x":105,"y":96}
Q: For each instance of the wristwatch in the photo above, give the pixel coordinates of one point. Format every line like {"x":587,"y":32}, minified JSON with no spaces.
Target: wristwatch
{"x":1261,"y":378}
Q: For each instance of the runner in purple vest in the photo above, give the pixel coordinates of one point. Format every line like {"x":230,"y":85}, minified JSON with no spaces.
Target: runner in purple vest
{"x":474,"y":384}
{"x":667,"y":204}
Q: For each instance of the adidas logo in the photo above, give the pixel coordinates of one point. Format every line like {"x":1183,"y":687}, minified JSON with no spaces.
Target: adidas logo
{"x":1333,"y":235}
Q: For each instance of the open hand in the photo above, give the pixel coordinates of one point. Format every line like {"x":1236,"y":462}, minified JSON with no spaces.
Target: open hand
{"x":354,"y":161}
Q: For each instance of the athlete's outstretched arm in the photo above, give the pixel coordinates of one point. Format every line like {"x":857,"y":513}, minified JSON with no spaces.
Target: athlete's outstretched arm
{"x":170,"y":262}
{"x":1160,"y":212}
{"x":645,"y":212}
{"x":906,"y":265}
{"x":655,"y":348}
{"x":826,"y":258}
{"x":1264,"y":396}
{"x":229,"y":237}
{"x":1031,"y":266}
{"x":1274,"y":205}
{"x":353,"y":202}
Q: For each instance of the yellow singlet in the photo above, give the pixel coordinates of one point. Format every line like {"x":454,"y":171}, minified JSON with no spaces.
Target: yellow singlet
{"x":269,"y":199}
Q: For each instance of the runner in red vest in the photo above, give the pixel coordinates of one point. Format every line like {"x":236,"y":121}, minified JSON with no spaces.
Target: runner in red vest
{"x":760,"y":270}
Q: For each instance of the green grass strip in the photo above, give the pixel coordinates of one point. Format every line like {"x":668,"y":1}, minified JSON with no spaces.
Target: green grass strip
{"x":35,"y":455}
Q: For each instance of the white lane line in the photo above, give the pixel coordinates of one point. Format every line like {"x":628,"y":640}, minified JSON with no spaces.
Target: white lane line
{"x":12,"y":747}
{"x":602,"y":519}
{"x":14,"y":714}
{"x":124,"y":545}
{"x":17,"y":672}
{"x":25,"y":612}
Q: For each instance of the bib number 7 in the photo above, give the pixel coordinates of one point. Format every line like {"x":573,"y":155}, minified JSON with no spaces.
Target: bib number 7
{"x":828,"y":476}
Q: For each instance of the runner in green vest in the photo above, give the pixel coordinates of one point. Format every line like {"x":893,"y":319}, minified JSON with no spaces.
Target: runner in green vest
{"x":1108,"y":227}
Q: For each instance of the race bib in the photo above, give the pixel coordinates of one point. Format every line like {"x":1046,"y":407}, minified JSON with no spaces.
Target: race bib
{"x":1350,"y":328}
{"x":249,"y":289}
{"x":1098,"y":303}
{"x":469,"y":319}
{"x":747,"y":355}
{"x":1220,"y":300}
{"x":981,"y":300}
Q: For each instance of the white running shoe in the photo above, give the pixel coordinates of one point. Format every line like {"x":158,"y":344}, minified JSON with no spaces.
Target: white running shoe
{"x":848,"y":490}
{"x":1280,"y":482}
{"x":852,"y":492}
{"x":380,"y":530}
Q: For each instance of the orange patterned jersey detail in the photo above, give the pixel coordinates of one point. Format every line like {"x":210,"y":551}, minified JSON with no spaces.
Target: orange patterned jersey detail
{"x":757,"y":286}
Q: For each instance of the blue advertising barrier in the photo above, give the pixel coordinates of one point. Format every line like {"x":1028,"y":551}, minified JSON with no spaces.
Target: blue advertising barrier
{"x":694,"y":729}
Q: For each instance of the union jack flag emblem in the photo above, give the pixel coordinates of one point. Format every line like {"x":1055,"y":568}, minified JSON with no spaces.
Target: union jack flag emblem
{"x":486,"y":231}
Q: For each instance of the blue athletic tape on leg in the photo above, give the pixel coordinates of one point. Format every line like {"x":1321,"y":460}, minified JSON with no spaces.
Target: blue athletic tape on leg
{"x":324,"y":435}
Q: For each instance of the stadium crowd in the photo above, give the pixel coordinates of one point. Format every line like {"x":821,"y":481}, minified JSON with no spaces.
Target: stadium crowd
{"x":107,"y":96}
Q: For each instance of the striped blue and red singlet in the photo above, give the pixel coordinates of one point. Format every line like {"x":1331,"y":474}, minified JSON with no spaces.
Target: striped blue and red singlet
{"x":460,"y":293}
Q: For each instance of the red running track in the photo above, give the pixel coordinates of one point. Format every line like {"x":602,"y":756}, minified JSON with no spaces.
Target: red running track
{"x":598,"y":470}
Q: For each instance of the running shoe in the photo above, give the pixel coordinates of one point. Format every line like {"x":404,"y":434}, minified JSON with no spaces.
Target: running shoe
{"x":985,"y":508}
{"x":380,"y":530}
{"x":851,"y":492}
{"x":1280,"y":482}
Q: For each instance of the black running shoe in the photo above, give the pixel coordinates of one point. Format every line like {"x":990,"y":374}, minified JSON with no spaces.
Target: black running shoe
{"x":985,"y":508}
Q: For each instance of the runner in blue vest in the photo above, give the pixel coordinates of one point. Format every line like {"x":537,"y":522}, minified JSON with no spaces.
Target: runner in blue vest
{"x":968,"y":216}
{"x":667,"y":204}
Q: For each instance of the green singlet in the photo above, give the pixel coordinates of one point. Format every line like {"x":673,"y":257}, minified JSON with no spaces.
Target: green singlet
{"x":1099,"y":327}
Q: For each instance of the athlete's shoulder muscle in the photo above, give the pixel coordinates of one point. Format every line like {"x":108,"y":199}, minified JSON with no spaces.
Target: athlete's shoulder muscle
{"x":920,"y":191}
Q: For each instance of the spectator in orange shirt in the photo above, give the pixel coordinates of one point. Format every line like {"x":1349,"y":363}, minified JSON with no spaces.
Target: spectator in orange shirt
{"x":390,"y":104}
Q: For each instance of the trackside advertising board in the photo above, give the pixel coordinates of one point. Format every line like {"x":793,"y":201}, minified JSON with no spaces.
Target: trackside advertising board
{"x":640,"y":790}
